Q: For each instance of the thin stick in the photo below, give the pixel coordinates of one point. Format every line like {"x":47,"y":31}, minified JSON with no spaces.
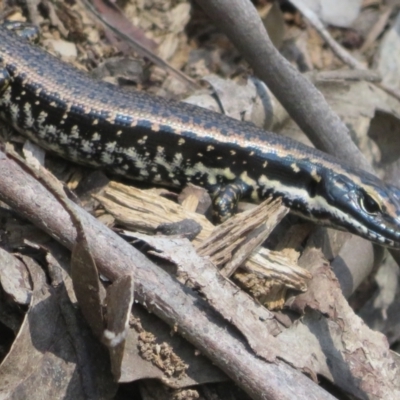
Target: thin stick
{"x":338,"y":50}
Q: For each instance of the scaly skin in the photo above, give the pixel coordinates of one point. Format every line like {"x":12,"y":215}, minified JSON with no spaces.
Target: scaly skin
{"x":148,"y":138}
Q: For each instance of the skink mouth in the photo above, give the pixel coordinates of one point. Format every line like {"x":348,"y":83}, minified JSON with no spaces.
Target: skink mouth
{"x":392,"y":244}
{"x":386,"y":242}
{"x":391,"y":239}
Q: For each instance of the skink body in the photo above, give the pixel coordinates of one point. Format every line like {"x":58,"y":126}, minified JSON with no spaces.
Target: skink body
{"x":151,"y":139}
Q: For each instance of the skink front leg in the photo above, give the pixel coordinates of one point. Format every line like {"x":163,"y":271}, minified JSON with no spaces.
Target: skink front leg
{"x":226,"y":199}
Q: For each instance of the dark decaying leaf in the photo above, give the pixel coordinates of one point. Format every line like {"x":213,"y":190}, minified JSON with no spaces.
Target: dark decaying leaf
{"x":153,"y":351}
{"x":89,"y":292}
{"x":119,"y":302}
{"x":43,"y":358}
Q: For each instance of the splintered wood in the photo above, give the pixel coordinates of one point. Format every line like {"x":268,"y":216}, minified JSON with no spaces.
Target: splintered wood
{"x":145,"y":210}
{"x":246,"y":231}
{"x":235,"y":243}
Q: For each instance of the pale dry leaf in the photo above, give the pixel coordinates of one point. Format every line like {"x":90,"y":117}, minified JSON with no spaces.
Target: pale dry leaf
{"x":388,"y":56}
{"x":338,"y":13}
{"x":14,"y":279}
{"x":336,"y":342}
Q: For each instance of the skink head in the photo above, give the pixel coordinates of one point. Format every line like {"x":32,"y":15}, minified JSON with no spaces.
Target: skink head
{"x":365,"y":206}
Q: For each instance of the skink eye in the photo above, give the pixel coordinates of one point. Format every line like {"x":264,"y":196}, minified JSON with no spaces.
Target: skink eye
{"x":369,"y":205}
